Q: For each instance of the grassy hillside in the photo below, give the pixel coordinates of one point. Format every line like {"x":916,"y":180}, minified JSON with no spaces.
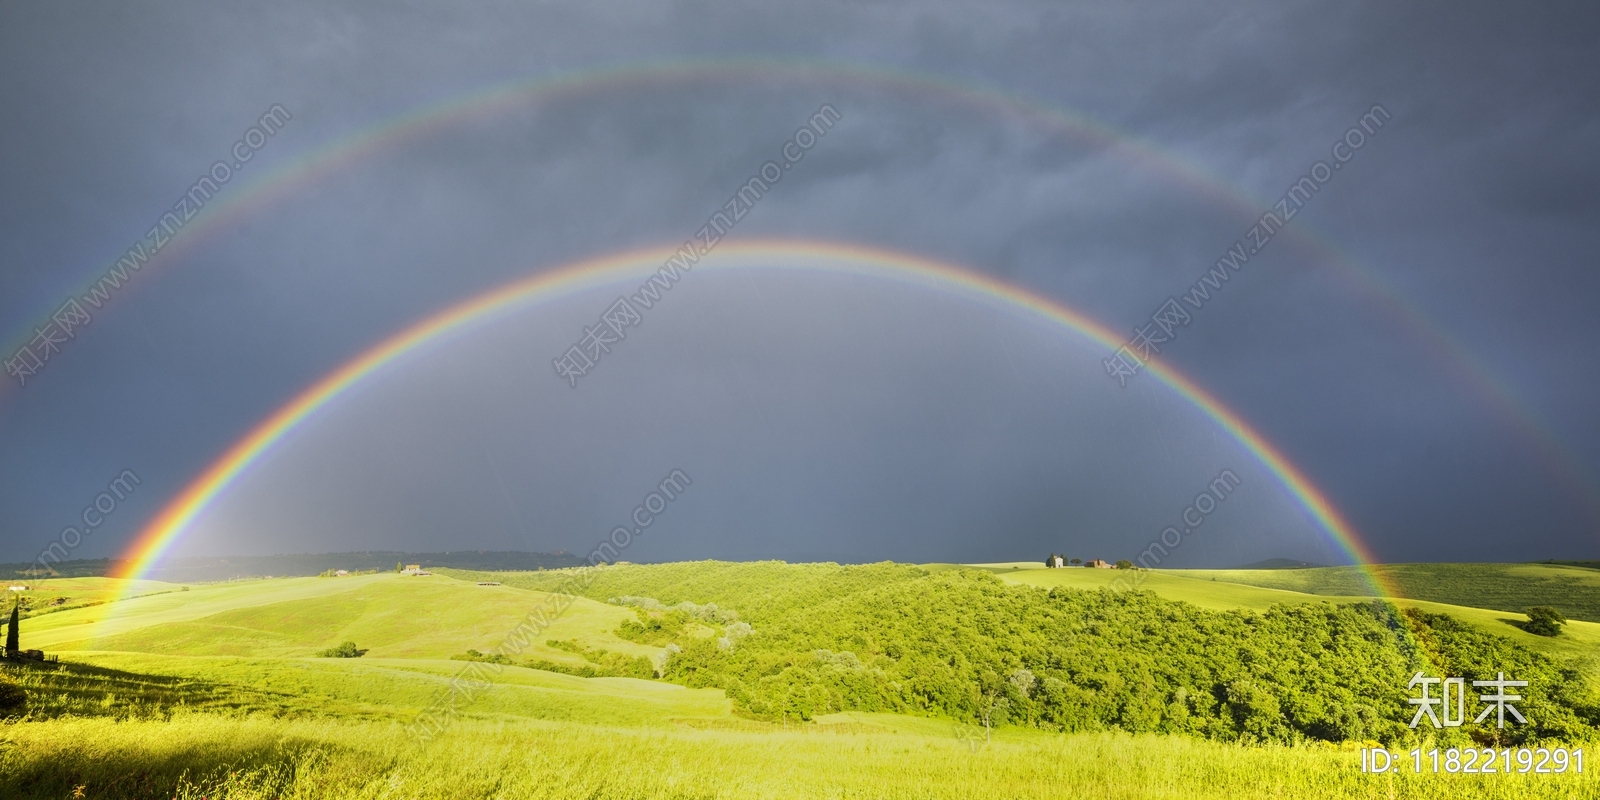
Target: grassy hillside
{"x":81,"y":688}
{"x":215,"y":693}
{"x":390,"y":616}
{"x":1574,"y":590}
{"x":756,"y":590}
{"x":890,"y":637}
{"x":52,"y":595}
{"x":54,"y":631}
{"x":396,"y":689}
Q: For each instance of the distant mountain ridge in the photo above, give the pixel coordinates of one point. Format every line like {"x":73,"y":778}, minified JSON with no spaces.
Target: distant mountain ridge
{"x":203,"y":569}
{"x":1280,"y":563}
{"x":1584,"y":564}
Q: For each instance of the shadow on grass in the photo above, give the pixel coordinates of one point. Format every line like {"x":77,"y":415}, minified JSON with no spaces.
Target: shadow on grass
{"x":1525,"y":626}
{"x":203,"y":768}
{"x":69,"y":689}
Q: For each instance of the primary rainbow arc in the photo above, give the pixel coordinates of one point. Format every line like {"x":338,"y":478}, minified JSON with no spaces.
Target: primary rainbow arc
{"x":163,"y":531}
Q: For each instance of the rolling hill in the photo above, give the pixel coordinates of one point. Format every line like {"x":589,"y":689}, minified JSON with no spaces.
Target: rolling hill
{"x":217,"y":692}
{"x":1574,"y":590}
{"x":389,"y":615}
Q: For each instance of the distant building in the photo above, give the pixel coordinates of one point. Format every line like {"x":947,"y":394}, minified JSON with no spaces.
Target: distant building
{"x":1057,"y":562}
{"x":340,"y":573}
{"x":18,"y":587}
{"x":1098,"y":564}
{"x":412,"y":569}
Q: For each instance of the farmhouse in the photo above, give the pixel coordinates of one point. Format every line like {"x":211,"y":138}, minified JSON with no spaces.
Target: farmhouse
{"x":1062,"y":562}
{"x":18,"y":587}
{"x":1098,"y":563}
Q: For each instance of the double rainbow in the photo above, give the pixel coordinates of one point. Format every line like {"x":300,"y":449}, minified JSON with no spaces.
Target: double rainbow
{"x":1565,"y":466}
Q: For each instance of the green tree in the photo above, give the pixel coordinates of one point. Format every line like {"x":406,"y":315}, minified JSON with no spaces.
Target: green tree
{"x":992,"y":702}
{"x":1124,"y":564}
{"x":398,"y":567}
{"x":345,"y":649}
{"x":1542,"y":621}
{"x":1076,"y":561}
{"x":12,"y":645}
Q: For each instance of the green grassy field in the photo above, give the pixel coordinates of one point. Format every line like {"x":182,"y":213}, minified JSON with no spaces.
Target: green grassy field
{"x":215,"y":692}
{"x":231,"y":759}
{"x":392,"y":616}
{"x":399,"y":688}
{"x":53,"y":595}
{"x":1574,"y":590}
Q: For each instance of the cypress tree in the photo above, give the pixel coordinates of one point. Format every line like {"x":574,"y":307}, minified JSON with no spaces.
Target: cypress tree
{"x":11,"y":631}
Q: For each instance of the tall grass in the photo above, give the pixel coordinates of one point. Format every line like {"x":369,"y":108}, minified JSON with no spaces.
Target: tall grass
{"x":218,"y":758}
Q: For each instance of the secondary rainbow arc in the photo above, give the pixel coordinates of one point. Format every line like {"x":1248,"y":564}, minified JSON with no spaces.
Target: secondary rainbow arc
{"x":1565,"y":465}
{"x":169,"y":525}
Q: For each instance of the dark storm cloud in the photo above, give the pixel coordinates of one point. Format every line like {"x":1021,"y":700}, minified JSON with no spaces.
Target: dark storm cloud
{"x":1476,"y":205}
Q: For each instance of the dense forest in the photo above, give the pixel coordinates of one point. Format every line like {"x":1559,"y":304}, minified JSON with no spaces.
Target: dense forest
{"x":797,"y":641}
{"x":968,"y":646}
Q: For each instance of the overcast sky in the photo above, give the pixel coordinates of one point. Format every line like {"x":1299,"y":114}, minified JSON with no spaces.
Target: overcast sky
{"x":1419,"y":339}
